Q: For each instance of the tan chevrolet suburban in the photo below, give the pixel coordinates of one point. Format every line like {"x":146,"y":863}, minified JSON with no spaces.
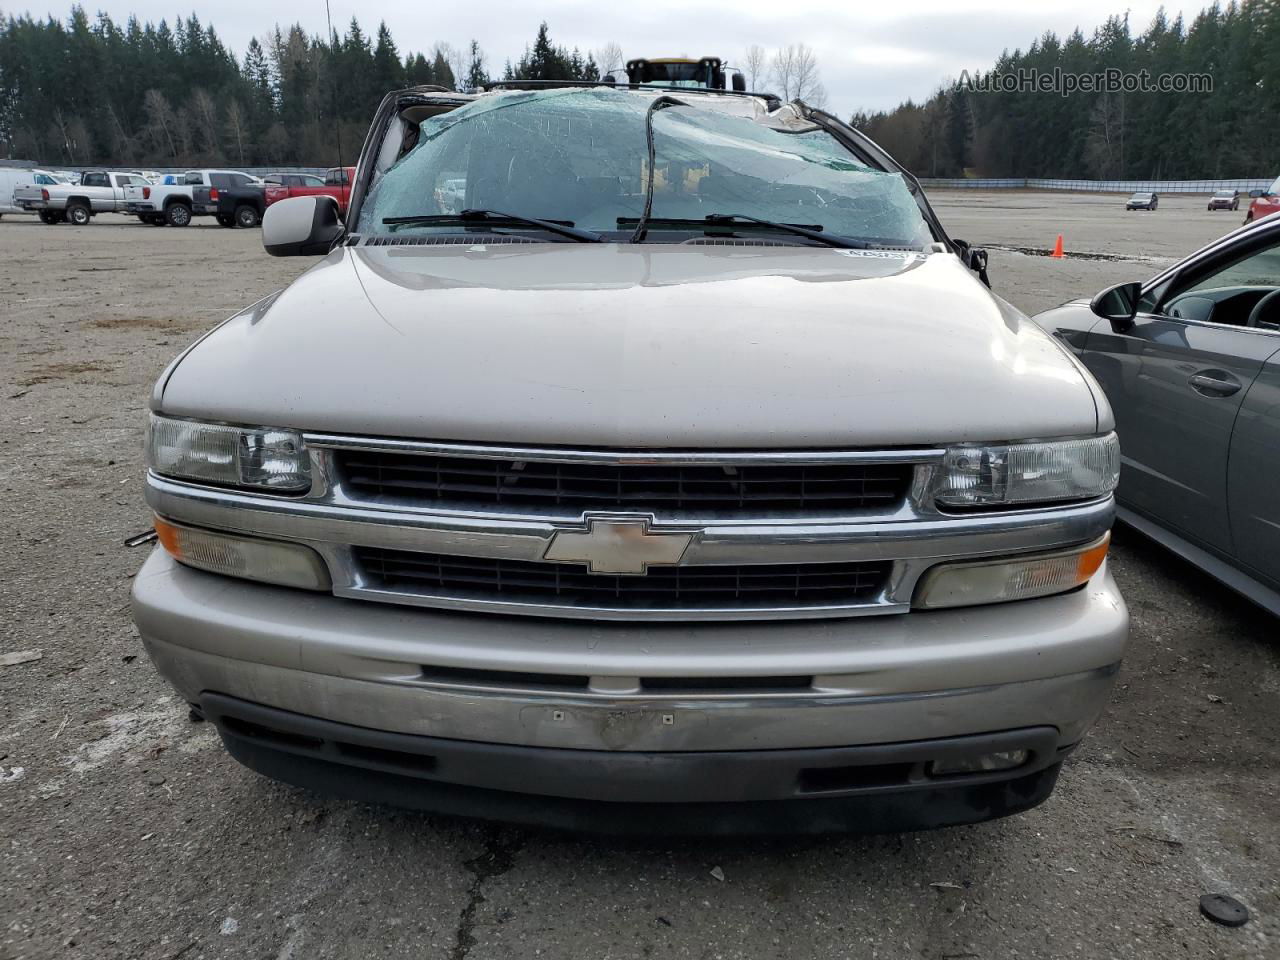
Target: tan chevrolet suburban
{"x":678,"y":474}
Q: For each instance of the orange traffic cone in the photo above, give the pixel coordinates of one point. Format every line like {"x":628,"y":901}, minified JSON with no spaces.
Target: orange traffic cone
{"x":1057,"y":249}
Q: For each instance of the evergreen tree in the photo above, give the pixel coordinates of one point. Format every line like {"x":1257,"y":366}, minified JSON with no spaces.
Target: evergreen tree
{"x":89,"y":90}
{"x":476,"y":75}
{"x":1111,"y":134}
{"x":442,"y":72}
{"x":388,"y":71}
{"x":418,"y":70}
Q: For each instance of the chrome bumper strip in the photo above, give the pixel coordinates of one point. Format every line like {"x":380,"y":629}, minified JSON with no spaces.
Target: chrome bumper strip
{"x":914,"y":542}
{"x":967,"y":536}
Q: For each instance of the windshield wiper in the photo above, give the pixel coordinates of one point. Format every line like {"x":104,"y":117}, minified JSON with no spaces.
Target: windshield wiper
{"x":496,"y":218}
{"x":658,"y":104}
{"x":812,"y":231}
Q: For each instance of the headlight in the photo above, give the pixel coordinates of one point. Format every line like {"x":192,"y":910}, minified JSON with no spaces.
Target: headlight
{"x":1010,"y":578}
{"x":1013,"y":473}
{"x":269,"y":561}
{"x":259,"y":457}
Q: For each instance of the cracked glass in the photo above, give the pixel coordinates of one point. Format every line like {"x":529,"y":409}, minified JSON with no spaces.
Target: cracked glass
{"x":580,"y":155}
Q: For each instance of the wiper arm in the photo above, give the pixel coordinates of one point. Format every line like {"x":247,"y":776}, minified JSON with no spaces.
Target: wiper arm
{"x":496,"y":218}
{"x":812,"y":231}
{"x":658,"y":104}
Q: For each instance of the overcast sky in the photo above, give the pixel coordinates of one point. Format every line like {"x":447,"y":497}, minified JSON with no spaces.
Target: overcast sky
{"x":871,"y":54}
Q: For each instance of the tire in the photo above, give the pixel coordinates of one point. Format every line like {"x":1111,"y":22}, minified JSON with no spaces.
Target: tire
{"x":225,"y":220}
{"x":155,"y":219}
{"x":177,"y":215}
{"x":247,"y":216}
{"x":49,"y":217}
{"x":79,"y":214}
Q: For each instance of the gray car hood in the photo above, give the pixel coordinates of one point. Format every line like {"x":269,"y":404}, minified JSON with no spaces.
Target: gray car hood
{"x":637,"y":346}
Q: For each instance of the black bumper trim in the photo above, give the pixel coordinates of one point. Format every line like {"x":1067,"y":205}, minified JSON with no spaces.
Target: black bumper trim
{"x":876,"y":788}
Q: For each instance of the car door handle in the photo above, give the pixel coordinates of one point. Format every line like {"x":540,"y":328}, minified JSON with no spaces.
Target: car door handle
{"x":1223,"y":385}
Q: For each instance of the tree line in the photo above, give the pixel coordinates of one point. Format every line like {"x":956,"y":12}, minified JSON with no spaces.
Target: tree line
{"x":93,"y":91}
{"x":1226,"y":132}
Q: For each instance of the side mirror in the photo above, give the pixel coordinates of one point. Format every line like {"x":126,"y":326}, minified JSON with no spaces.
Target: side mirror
{"x":975,"y":258}
{"x":301,"y":226}
{"x":1255,"y":194}
{"x":739,"y":83}
{"x":1119,"y":304}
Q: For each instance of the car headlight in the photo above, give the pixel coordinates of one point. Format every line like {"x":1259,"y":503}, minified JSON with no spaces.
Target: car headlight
{"x":1014,"y":473}
{"x":258,"y":457}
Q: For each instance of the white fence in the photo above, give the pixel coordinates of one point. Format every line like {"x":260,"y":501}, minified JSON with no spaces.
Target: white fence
{"x":1099,"y":186}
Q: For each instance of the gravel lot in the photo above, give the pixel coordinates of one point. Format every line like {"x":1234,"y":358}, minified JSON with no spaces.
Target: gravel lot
{"x":129,"y":833}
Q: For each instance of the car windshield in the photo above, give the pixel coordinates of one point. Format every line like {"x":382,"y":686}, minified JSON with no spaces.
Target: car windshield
{"x":1223,"y":195}
{"x":579,"y":155}
{"x":1141,"y":196}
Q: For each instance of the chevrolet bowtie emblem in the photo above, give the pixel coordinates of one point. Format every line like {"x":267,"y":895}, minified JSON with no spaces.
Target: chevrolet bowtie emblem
{"x":617,"y":545}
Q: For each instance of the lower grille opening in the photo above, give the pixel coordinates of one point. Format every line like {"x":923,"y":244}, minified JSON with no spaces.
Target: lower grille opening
{"x":382,"y":757}
{"x":517,"y":680}
{"x":744,"y":586}
{"x":502,"y":678}
{"x":725,"y":684}
{"x":282,"y":738}
{"x":379,"y":757}
{"x":827,"y":779}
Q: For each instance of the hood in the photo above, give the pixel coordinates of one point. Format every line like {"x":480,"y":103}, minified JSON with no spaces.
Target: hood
{"x":608,"y":345}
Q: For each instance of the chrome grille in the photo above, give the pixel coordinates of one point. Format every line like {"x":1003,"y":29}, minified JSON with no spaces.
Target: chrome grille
{"x":741,"y":586}
{"x":798,"y":488}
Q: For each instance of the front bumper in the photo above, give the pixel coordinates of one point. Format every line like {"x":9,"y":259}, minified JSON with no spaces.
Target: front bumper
{"x":860,"y":789}
{"x":492,"y":683}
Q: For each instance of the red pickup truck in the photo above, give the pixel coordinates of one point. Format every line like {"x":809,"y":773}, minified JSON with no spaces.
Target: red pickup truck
{"x":337,"y":184}
{"x":1265,"y":202}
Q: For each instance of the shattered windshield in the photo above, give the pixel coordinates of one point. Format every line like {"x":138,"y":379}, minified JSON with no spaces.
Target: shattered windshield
{"x":580,"y":156}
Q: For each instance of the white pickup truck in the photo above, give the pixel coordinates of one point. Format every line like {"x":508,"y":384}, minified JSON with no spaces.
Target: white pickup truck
{"x":98,"y":191}
{"x":175,"y":204}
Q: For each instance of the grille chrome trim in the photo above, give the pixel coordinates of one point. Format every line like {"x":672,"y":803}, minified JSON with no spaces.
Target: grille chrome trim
{"x":874,"y":607}
{"x":518,"y":484}
{"x":911,"y":535}
{"x":751,"y":589}
{"x":913,"y":543}
{"x":518,"y":538}
{"x":582,"y":455}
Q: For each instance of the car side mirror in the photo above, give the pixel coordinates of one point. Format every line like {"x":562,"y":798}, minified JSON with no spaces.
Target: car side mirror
{"x":301,"y":226}
{"x":1119,"y":304}
{"x":975,"y":258}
